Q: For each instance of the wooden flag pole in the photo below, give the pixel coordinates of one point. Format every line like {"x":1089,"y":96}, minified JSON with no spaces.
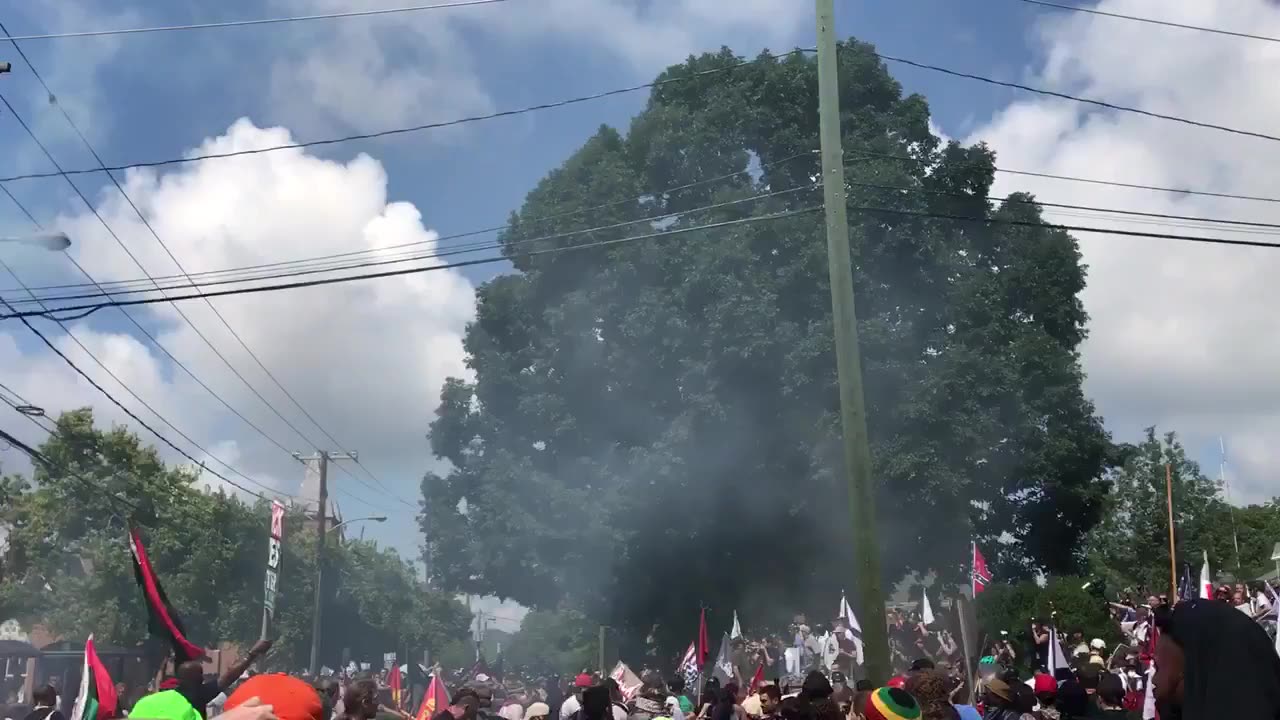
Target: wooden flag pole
{"x":1173,"y":561}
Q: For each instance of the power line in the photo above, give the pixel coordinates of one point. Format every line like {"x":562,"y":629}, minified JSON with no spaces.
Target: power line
{"x":1089,"y":181}
{"x":129,"y":390}
{"x":85,"y":310}
{"x":146,"y":333}
{"x":259,"y":21}
{"x":440,"y":239}
{"x":466,"y":249}
{"x":1071,"y":228}
{"x":130,"y":413}
{"x":1150,"y":21}
{"x":414,"y":128}
{"x":1077,"y":98}
{"x":97,"y":158}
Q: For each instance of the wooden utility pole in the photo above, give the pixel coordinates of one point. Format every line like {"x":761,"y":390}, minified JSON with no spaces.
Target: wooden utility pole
{"x":1173,"y":560}
{"x":853,"y":420}
{"x":322,"y":518}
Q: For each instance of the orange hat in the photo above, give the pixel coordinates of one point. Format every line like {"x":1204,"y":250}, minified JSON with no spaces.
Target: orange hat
{"x":289,"y":697}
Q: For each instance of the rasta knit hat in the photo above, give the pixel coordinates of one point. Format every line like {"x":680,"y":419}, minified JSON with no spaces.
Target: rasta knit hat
{"x":888,"y":703}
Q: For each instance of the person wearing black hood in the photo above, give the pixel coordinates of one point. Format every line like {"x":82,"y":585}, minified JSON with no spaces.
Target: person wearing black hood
{"x":1213,"y":662}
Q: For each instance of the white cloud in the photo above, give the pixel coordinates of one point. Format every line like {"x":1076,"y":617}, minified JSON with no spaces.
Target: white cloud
{"x":366,"y":359}
{"x":419,"y":67}
{"x":1181,"y":335}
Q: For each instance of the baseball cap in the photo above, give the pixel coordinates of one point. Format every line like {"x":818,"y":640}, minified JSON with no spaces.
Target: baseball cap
{"x":290,"y":698}
{"x":583,"y":681}
{"x":538,"y":709}
{"x":1045,"y":684}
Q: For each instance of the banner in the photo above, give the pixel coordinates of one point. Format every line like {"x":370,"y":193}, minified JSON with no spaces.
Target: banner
{"x":275,"y":548}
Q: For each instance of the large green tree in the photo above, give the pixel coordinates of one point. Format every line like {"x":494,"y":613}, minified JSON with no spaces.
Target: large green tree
{"x":67,"y":564}
{"x":653,"y":425}
{"x":1130,"y":546}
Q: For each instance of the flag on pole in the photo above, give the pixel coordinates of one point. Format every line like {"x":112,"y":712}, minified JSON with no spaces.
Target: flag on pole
{"x":1186,"y":588}
{"x":162,"y":618}
{"x":1058,"y":666}
{"x":723,"y":668}
{"x":981,"y":575}
{"x":736,"y":632}
{"x":703,"y":646}
{"x":926,"y":612}
{"x":756,"y":680}
{"x":97,"y":697}
{"x":435,"y":699}
{"x":688,"y":668}
{"x":393,"y":680}
{"x":1206,"y":580}
{"x":852,"y":631}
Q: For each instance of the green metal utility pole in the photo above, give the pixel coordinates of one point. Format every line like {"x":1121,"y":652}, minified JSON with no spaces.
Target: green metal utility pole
{"x":853,"y":419}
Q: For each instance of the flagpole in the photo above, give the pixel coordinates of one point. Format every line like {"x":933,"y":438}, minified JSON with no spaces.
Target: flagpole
{"x":973,"y":576}
{"x":1173,"y":561}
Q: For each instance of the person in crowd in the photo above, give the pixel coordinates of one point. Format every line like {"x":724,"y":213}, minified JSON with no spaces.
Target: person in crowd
{"x":1045,"y":689}
{"x":676,"y":685}
{"x":888,"y":703}
{"x":327,"y":688}
{"x":770,"y":701}
{"x":1040,"y":642}
{"x":999,"y":701}
{"x":842,"y":694}
{"x":165,"y":705}
{"x":932,"y":690}
{"x":513,"y":707}
{"x":537,"y":711}
{"x":1213,"y":662}
{"x":45,"y":705}
{"x":573,"y":703}
{"x":484,"y":704}
{"x":1072,"y":701}
{"x":200,"y":692}
{"x":1110,"y":698}
{"x":290,"y":698}
{"x":620,"y":711}
{"x":360,"y":701}
{"x":596,"y":704}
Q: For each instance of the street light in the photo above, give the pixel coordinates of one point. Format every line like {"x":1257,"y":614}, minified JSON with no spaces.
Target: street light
{"x":55,"y":241}
{"x":315,"y":618}
{"x":372,"y":518}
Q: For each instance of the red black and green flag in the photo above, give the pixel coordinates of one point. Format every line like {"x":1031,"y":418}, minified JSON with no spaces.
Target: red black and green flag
{"x":97,"y":697}
{"x":162,"y":618}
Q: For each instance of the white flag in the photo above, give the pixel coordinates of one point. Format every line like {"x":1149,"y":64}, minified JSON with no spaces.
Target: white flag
{"x":853,"y":630}
{"x":736,"y":632}
{"x":1058,"y":666}
{"x":1206,"y":581}
{"x":926,"y":612}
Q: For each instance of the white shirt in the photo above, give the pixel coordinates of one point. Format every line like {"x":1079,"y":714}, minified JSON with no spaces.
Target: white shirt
{"x":513,"y":711}
{"x":570,"y":706}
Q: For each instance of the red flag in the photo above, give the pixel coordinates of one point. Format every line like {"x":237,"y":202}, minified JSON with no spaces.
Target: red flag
{"x":703,"y":649}
{"x":756,"y":680}
{"x":97,"y":697}
{"x":435,"y":699}
{"x":394,"y":682}
{"x":981,"y":575}
{"x":162,"y":618}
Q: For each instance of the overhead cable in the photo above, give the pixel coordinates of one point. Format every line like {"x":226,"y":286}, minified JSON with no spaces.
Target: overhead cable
{"x":80,"y":311}
{"x":415,"y":128}
{"x":1150,"y":21}
{"x":257,"y":21}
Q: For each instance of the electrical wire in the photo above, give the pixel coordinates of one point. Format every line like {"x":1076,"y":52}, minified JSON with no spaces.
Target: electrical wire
{"x":259,"y":21}
{"x":1077,"y":98}
{"x":85,"y":310}
{"x":1069,"y":228}
{"x":129,"y":390}
{"x":310,"y":261}
{"x":1150,"y":21}
{"x":397,"y":259}
{"x":48,"y":343}
{"x":1078,"y":179}
{"x":415,"y":128}
{"x":146,"y":223}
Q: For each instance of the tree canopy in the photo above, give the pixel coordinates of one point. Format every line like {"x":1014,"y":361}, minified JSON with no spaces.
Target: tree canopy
{"x":652,"y":425}
{"x":68,"y":566}
{"x":1130,"y":546}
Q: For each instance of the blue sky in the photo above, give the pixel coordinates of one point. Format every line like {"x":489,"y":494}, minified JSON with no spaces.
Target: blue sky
{"x":1191,"y":361}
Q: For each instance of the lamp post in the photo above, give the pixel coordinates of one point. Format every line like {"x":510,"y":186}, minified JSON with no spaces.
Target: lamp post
{"x":315,"y":620}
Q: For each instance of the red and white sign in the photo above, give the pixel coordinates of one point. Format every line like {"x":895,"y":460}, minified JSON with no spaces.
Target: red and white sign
{"x":271,"y":584}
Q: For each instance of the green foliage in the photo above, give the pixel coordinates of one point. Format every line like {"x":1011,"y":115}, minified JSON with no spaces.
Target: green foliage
{"x":68,"y":563}
{"x":1130,"y":546}
{"x":1011,"y":607}
{"x":553,"y":642}
{"x":653,"y":425}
